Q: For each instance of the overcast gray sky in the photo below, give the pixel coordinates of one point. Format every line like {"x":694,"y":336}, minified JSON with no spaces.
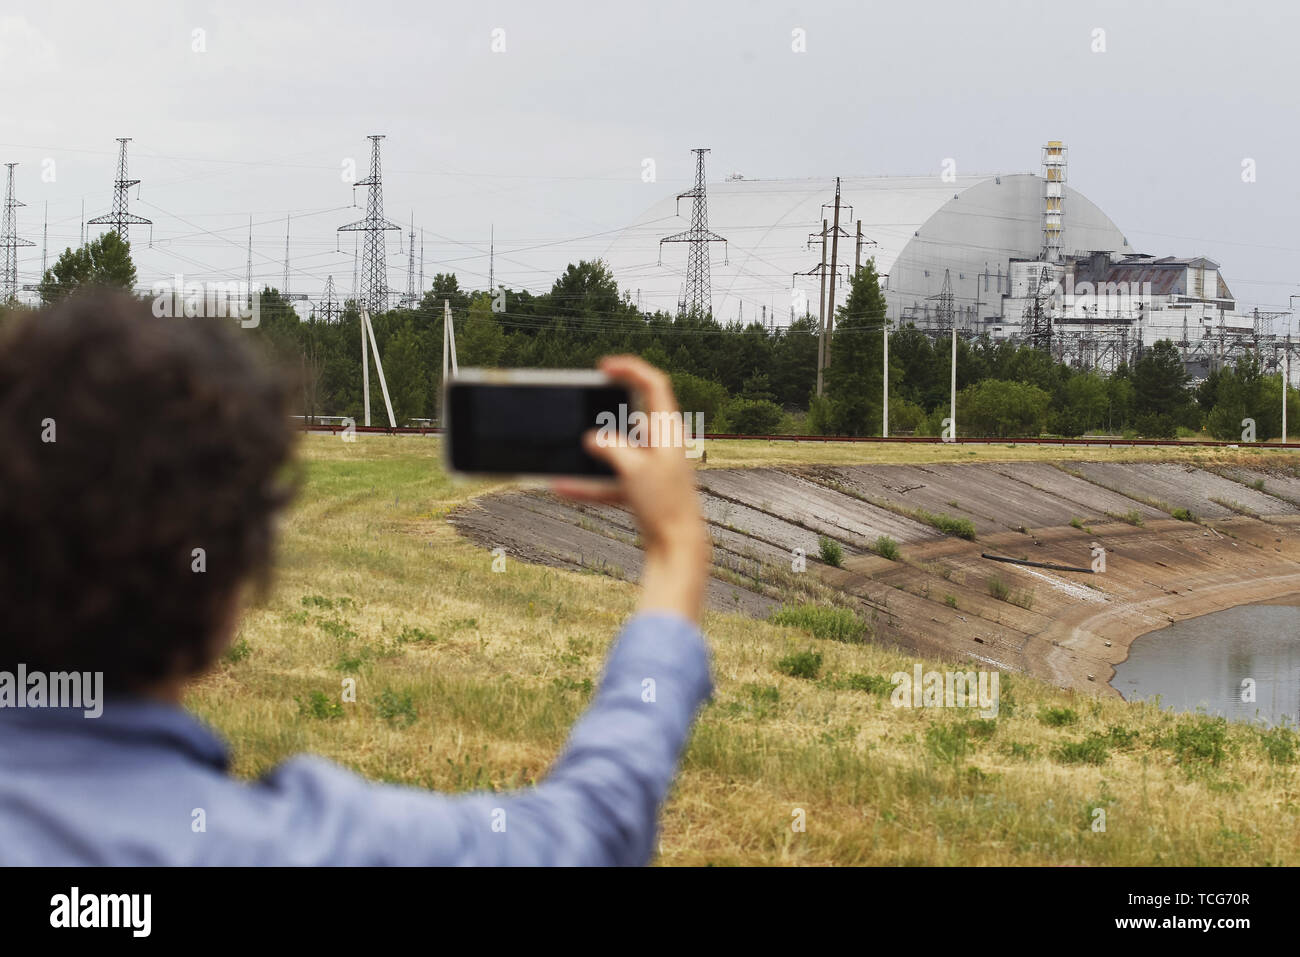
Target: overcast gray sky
{"x":546,"y":139}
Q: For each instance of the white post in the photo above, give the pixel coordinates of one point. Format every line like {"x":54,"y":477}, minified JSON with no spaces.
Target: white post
{"x":884,"y":427}
{"x":1286,"y":382}
{"x":448,"y":355}
{"x":953,"y":400}
{"x":442,"y":383}
{"x":379,"y":367}
{"x":365,"y":367}
{"x":450,"y":325}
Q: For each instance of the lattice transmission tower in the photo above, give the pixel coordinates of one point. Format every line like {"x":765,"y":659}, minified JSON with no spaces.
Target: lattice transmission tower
{"x":121,"y":217}
{"x":9,"y":241}
{"x":1037,"y":321}
{"x":329,"y":304}
{"x":412,"y":297}
{"x":698,"y":296}
{"x":374,"y":269}
{"x":945,"y":311}
{"x":284,"y":283}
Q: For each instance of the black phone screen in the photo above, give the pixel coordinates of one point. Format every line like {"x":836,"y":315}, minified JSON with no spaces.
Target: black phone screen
{"x":528,"y":429}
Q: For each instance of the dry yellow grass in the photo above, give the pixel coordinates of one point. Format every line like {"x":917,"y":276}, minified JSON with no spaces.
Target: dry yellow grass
{"x":751,"y":453}
{"x":468,"y":678}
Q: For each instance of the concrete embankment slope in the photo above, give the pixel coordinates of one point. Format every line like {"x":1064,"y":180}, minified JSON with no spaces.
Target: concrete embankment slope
{"x":1179,"y":541}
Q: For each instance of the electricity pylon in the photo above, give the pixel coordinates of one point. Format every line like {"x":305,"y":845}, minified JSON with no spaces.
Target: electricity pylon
{"x":374,"y":271}
{"x":10,"y":242}
{"x":698,"y":296}
{"x":120,"y":218}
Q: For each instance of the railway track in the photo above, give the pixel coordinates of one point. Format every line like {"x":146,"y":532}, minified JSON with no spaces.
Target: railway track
{"x":330,"y":429}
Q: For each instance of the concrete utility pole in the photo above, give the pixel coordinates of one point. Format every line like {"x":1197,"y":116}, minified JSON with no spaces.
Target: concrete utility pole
{"x":1286,"y":381}
{"x":835,"y":249}
{"x":884,"y":329}
{"x":366,"y":327}
{"x":448,"y":354}
{"x":365,"y":365}
{"x":953,"y":396}
{"x":1286,"y":368}
{"x":821,"y":315}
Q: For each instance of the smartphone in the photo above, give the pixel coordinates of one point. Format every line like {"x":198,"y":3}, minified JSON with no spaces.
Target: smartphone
{"x":526,"y":423}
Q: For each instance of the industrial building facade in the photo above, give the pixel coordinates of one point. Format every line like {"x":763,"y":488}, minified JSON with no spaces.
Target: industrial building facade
{"x":1019,"y":256}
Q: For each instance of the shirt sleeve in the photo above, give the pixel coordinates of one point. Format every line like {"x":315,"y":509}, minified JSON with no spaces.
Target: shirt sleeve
{"x":599,"y":805}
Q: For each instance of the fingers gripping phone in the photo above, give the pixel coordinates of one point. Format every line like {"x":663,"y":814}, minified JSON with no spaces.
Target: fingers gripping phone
{"x":529,"y":423}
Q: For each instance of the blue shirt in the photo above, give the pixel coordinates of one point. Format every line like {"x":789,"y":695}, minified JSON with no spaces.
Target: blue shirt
{"x":126,"y":787}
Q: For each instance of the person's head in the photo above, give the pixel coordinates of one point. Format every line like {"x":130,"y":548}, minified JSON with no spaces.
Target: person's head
{"x":142,"y":466}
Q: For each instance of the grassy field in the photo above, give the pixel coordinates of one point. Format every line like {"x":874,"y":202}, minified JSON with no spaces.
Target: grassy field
{"x":750,"y":453}
{"x":467,"y":678}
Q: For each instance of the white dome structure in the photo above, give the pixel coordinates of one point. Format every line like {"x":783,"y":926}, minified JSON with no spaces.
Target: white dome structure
{"x":914,"y":226}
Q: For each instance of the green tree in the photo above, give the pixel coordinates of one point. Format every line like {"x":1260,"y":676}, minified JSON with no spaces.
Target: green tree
{"x":1160,"y":384}
{"x":1269,"y":420}
{"x":481,"y":341}
{"x":1086,"y":400}
{"x":1000,"y":408}
{"x":697,"y":394}
{"x":445,"y":286}
{"x":588,"y":288}
{"x":853,"y":380}
{"x":105,"y":261}
{"x":1238,"y":395}
{"x":754,"y":416}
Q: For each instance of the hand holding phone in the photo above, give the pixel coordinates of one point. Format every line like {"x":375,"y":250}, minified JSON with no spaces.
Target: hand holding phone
{"x":529,"y":422}
{"x":657,"y":483}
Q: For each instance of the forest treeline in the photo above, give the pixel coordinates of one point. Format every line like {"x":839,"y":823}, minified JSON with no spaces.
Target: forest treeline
{"x":743,"y":378}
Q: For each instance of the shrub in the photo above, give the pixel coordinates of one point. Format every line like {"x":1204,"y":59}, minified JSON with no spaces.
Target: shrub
{"x":1002,"y":592}
{"x":1058,"y":717}
{"x":762,"y":694}
{"x":1183,"y":515}
{"x":1154,"y":426}
{"x":1091,"y":750}
{"x":319,"y":705}
{"x":696,"y":394}
{"x":1003,"y":408}
{"x":801,"y":664}
{"x":1280,"y":745}
{"x":1198,"y":742}
{"x":872,"y":684}
{"x":821,"y":621}
{"x":754,"y":416}
{"x":948,"y":524}
{"x":1120,"y":737}
{"x":830,"y":550}
{"x":1021,"y":751}
{"x":886,"y":547}
{"x":397,"y":710}
{"x":947,"y":742}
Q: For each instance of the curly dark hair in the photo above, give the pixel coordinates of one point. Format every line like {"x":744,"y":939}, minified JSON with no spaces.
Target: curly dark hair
{"x":128,"y":442}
